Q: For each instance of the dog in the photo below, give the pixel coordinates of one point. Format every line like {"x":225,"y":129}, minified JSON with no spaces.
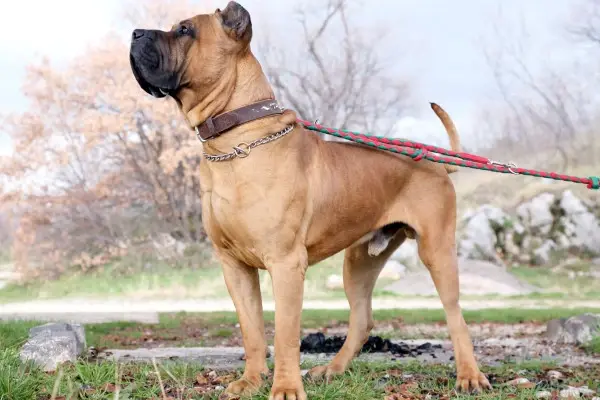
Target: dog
{"x":280,"y":198}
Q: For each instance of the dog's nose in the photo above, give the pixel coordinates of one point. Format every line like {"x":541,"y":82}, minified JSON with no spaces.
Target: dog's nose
{"x":137,"y":33}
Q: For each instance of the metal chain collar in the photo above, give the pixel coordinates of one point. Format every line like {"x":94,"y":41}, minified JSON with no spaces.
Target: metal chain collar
{"x":242,"y":150}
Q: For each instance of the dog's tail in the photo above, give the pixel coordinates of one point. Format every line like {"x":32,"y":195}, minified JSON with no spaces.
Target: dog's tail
{"x":450,"y":130}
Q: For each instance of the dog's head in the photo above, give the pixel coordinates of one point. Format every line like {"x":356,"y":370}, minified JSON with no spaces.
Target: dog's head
{"x":194,"y":54}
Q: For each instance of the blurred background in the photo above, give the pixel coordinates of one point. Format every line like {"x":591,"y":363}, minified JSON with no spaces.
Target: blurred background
{"x":99,"y":181}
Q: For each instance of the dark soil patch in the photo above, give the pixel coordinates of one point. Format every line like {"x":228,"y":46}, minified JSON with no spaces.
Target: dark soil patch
{"x":319,"y":343}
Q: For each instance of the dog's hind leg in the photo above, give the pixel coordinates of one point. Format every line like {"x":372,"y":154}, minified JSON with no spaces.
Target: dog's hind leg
{"x":437,"y":250}
{"x":360,"y":274}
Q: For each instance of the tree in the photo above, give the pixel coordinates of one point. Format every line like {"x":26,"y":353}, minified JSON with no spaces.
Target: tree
{"x":98,"y":165}
{"x":541,"y":110}
{"x":586,"y":23}
{"x":100,"y":168}
{"x":336,"y":75}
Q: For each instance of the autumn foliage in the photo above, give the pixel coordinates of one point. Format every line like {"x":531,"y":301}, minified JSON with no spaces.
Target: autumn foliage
{"x":100,"y":169}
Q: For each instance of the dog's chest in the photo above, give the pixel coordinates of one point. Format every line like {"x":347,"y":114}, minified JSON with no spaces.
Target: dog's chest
{"x":236,"y":231}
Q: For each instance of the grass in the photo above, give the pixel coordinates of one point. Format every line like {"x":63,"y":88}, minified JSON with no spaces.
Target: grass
{"x":100,"y":380}
{"x":559,"y":285}
{"x":156,"y":278}
{"x":593,"y":346}
{"x":363,"y":381}
{"x":193,"y":328}
{"x":159,"y":280}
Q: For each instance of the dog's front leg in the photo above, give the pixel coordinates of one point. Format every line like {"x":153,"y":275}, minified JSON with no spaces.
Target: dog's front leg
{"x":244,"y":288}
{"x":288,"y":289}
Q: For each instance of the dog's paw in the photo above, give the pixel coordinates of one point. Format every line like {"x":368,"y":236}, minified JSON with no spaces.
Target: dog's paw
{"x":472,"y":383}
{"x":288,"y":391}
{"x":326,"y":372}
{"x":244,"y":386}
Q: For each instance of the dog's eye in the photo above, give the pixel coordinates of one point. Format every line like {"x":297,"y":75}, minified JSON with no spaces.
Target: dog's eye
{"x":183,"y":30}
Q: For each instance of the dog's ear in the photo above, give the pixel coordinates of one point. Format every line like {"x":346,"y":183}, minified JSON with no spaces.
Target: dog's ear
{"x":236,"y":21}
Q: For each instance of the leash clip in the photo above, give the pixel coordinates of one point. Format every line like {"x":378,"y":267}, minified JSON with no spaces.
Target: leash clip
{"x":510,"y":166}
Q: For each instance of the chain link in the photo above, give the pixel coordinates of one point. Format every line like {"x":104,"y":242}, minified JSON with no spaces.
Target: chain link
{"x":242,"y":150}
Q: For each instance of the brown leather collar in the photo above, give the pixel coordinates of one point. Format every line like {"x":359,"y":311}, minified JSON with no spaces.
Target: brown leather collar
{"x":215,"y":126}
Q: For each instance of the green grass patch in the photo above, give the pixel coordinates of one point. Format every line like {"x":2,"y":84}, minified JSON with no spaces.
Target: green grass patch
{"x":153,"y":278}
{"x":565,"y":284}
{"x":18,"y":380}
{"x":593,"y":346}
{"x":362,"y":381}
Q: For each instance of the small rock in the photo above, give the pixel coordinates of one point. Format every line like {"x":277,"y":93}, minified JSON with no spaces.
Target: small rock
{"x":518,"y":381}
{"x":479,"y":239}
{"x":570,"y":393}
{"x":408,"y":255}
{"x":54,"y":343}
{"x":212,"y":375}
{"x":335,"y":282}
{"x":578,"y":329}
{"x":554,"y":375}
{"x":586,"y":391}
{"x":49,"y":351}
{"x":392,"y":270}
{"x":536,"y":213}
{"x":580,"y":223}
{"x":543,"y":395}
{"x":541,"y":255}
{"x":59,"y":328}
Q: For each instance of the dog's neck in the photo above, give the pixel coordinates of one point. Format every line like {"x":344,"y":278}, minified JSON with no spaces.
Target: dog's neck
{"x":241,"y":85}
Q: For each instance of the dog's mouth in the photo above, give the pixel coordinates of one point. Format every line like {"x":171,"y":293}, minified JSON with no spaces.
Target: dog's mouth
{"x":149,"y":88}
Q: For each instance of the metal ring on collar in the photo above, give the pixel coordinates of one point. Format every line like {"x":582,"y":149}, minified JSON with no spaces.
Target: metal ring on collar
{"x":242,"y":150}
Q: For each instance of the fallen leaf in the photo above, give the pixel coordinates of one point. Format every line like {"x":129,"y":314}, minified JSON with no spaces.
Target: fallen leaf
{"x":201,"y":379}
{"x":227,"y":396}
{"x":110,"y":388}
{"x":224,"y":379}
{"x":396,"y":373}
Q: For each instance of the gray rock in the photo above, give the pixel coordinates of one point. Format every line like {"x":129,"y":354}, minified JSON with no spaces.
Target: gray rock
{"x":536,"y":213}
{"x":392,"y":270}
{"x":596,"y":261}
{"x":554,"y":375}
{"x":54,"y":343}
{"x":57,"y":328}
{"x":570,"y":393}
{"x":580,"y":224}
{"x":578,"y":329}
{"x":542,"y":254}
{"x":486,"y":230}
{"x":586,"y":391}
{"x":408,"y":255}
{"x":476,"y":278}
{"x":48,"y":351}
{"x":335,"y":282}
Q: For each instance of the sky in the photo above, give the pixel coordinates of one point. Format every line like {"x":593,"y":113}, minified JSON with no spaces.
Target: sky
{"x":440,"y":43}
